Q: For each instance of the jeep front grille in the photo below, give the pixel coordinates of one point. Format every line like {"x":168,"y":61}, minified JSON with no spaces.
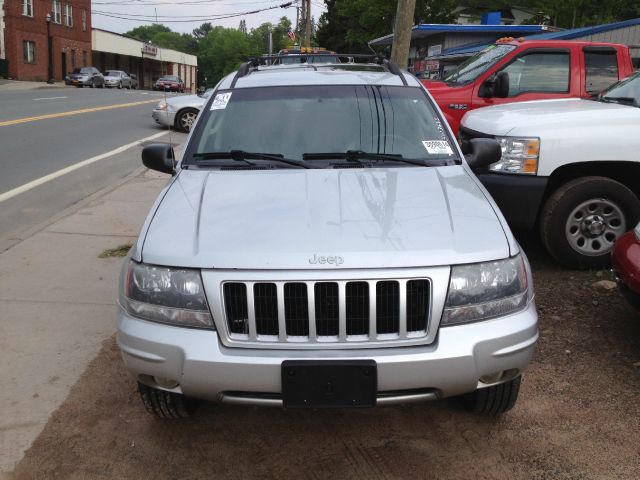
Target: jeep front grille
{"x":327,"y":311}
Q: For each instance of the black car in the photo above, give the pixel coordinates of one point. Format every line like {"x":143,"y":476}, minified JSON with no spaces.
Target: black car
{"x":86,"y":77}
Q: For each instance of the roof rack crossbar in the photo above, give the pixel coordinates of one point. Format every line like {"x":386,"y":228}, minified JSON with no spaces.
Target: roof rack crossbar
{"x":253,"y":64}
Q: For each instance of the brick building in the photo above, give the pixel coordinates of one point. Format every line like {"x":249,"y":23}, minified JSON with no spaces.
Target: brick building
{"x":25,"y":37}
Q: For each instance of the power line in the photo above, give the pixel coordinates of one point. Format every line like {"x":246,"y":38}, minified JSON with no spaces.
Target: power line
{"x":191,"y":17}
{"x":189,"y":2}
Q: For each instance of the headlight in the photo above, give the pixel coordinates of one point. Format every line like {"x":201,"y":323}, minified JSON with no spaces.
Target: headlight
{"x":166,"y":295}
{"x":487,"y":290}
{"x":637,"y":231}
{"x":162,"y":105}
{"x":519,"y":155}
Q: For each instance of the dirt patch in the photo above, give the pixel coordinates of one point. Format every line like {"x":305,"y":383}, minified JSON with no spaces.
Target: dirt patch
{"x":578,"y":417}
{"x":120,"y":251}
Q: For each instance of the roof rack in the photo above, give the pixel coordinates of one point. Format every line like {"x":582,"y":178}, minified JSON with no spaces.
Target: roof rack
{"x":253,"y":64}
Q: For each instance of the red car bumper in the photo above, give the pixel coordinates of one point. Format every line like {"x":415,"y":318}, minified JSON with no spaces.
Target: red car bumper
{"x":626,"y":265}
{"x":172,"y":87}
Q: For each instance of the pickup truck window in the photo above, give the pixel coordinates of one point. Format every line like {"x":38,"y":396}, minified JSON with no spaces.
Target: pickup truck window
{"x":475,"y":66}
{"x":546,"y":72}
{"x":601,"y":70}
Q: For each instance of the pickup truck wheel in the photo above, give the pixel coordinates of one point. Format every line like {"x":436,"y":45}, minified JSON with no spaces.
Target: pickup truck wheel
{"x":493,"y":400}
{"x":581,"y":221}
{"x":163,"y":404}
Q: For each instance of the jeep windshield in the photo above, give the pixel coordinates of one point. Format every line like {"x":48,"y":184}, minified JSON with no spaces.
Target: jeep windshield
{"x":323,"y":126}
{"x":475,"y":66}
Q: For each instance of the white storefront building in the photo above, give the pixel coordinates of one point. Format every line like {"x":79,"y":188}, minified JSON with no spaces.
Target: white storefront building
{"x":113,"y":51}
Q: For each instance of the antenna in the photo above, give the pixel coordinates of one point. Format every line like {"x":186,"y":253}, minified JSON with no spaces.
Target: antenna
{"x":162,"y":72}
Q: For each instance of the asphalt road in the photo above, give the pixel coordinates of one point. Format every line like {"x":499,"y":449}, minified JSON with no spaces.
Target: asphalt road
{"x":79,"y":125}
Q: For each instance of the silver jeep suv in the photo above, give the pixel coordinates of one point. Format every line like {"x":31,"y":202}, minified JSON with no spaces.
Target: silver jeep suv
{"x":323,"y":242}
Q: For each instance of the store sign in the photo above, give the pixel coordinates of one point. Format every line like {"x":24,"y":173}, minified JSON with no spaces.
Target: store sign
{"x":432,"y":65}
{"x":149,"y":49}
{"x":434,"y":50}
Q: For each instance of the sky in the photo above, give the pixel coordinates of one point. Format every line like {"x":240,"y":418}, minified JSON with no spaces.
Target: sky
{"x":198,"y":10}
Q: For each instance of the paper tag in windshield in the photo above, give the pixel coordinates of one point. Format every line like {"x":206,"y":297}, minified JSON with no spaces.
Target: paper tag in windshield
{"x":437,"y":147}
{"x":221,"y":100}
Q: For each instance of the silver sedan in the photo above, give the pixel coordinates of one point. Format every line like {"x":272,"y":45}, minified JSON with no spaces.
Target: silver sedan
{"x":180,"y":112}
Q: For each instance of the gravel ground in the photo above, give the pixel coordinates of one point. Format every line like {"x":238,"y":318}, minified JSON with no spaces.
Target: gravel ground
{"x":577,"y":417}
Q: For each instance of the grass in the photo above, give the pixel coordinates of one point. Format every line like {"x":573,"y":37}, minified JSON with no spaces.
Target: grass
{"x":120,"y":251}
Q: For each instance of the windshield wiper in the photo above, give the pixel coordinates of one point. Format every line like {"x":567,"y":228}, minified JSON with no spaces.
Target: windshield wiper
{"x":243,"y":156}
{"x":357,"y":155}
{"x":621,"y":100}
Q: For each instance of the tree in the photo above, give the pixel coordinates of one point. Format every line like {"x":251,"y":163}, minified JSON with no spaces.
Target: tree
{"x":243,"y":26}
{"x":147,"y":32}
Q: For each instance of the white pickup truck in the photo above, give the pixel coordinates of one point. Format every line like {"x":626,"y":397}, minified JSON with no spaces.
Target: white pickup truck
{"x":569,"y":167}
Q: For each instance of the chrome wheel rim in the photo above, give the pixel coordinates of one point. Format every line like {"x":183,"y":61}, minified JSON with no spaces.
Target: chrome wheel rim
{"x":593,"y":226}
{"x":187,"y":119}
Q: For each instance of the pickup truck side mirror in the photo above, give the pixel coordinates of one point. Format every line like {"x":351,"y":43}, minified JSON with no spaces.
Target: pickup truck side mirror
{"x":481,"y":152}
{"x":495,"y":86}
{"x":159,"y":157}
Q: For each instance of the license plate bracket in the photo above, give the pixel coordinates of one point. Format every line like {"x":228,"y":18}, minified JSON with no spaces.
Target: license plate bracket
{"x":329,"y":384}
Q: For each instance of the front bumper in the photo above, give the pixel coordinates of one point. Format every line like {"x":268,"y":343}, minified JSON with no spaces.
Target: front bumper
{"x":518,"y":196}
{"x":166,"y":118}
{"x":451,"y":365}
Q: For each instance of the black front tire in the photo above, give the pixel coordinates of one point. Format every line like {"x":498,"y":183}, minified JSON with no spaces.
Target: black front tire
{"x":185,"y":119}
{"x":493,"y":400}
{"x":557,"y":213}
{"x":163,"y":404}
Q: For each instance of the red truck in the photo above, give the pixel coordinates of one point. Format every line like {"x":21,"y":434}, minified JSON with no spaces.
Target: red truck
{"x":519,"y":70}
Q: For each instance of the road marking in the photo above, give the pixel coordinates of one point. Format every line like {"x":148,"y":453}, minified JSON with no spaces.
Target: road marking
{"x":52,"y":176}
{"x":48,"y":98}
{"x":73,"y":112}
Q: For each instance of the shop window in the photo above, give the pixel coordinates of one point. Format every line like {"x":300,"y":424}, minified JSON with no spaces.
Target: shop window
{"x":27,"y":8}
{"x":84,"y":58}
{"x":29,"y":51}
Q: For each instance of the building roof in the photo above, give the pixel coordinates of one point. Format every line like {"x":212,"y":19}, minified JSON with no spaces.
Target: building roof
{"x":471,"y":48}
{"x":427,"y":29}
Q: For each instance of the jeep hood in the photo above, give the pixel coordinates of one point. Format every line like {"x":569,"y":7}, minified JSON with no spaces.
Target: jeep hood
{"x":282,"y":218}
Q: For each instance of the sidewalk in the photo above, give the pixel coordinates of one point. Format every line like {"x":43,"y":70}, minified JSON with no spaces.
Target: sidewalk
{"x":57,"y":304}
{"x":8,"y":85}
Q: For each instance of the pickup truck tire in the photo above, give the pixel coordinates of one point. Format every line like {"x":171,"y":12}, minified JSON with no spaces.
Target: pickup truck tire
{"x":582,"y":219}
{"x":495,"y":399}
{"x":163,"y":404}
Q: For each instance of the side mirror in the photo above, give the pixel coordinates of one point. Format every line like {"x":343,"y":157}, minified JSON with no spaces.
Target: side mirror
{"x":159,"y":157}
{"x":481,"y":152}
{"x":495,"y":86}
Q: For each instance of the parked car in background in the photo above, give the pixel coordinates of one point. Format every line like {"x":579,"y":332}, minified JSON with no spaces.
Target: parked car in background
{"x":180,"y":112}
{"x":515,"y":71}
{"x":170,"y":83}
{"x":116,"y":78}
{"x":626,"y":265}
{"x":326,"y":258}
{"x":134,"y":80}
{"x":569,"y":167}
{"x":86,"y":77}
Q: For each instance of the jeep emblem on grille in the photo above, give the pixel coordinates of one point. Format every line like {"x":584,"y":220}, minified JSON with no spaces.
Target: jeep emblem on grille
{"x":331,"y":260}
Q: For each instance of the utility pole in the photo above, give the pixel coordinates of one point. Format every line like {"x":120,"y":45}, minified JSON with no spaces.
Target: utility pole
{"x":307,"y":24}
{"x":402,"y":32}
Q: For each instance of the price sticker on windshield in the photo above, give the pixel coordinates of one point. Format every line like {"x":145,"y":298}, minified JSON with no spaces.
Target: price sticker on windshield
{"x":437,"y":147}
{"x":221,"y":100}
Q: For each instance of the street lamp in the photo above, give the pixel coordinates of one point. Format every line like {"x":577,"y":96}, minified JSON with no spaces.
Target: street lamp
{"x":50,"y":47}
